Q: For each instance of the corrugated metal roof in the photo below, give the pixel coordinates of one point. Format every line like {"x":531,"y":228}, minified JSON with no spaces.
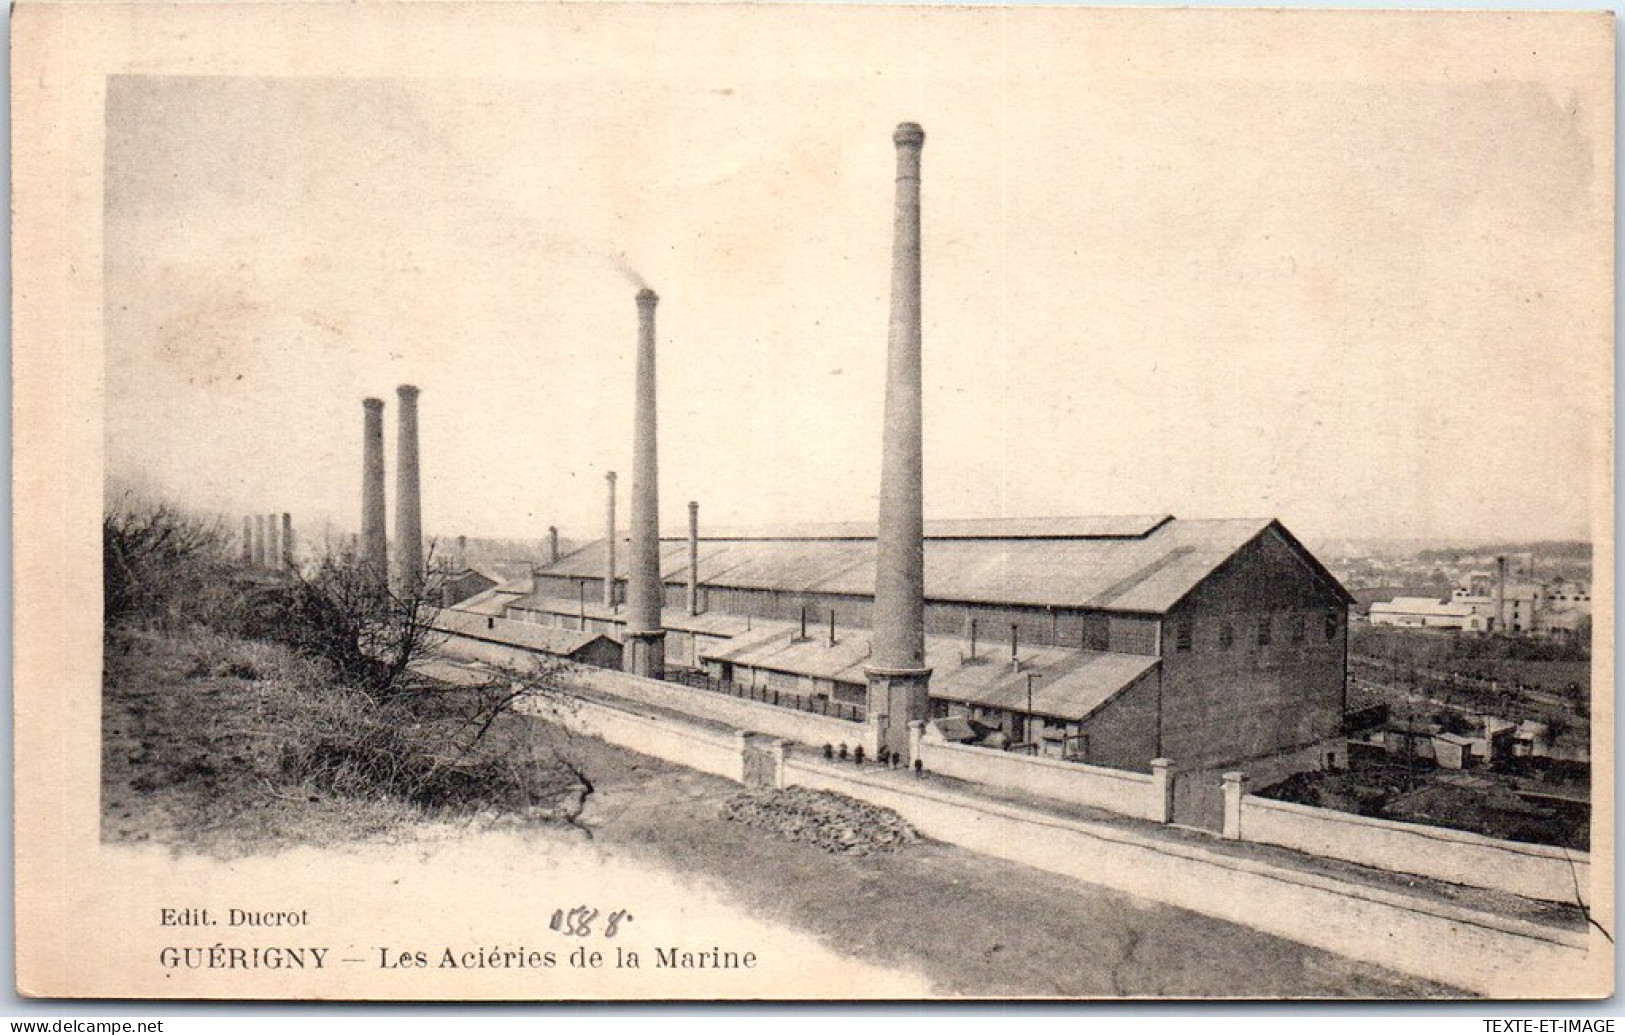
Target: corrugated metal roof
{"x":713,"y":623}
{"x":1149,"y":574}
{"x":1068,"y":684}
{"x":1117,"y":526}
{"x":550,"y":640}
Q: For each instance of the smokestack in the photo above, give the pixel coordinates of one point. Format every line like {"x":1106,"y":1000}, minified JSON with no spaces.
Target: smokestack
{"x":248,"y":541}
{"x":462,"y":553}
{"x":693,"y":557}
{"x":259,"y":540}
{"x":552,"y":544}
{"x":374,"y":544}
{"x":645,"y":647}
{"x":897,"y":677}
{"x":273,"y":552}
{"x":1501,"y":595}
{"x":287,"y":542}
{"x":609,"y":544}
{"x":408,"y":495}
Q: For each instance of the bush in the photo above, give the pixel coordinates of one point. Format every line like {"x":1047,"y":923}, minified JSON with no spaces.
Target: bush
{"x":163,"y":568}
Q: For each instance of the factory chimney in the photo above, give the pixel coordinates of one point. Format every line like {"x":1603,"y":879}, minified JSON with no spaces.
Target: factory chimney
{"x":273,"y":552}
{"x":259,"y":540}
{"x":287,"y":542}
{"x":609,"y":544}
{"x":897,"y":677}
{"x":408,"y":496}
{"x":645,"y":648}
{"x":552,"y":544}
{"x":1501,"y":595}
{"x":693,"y":557}
{"x":248,"y":541}
{"x":462,"y":553}
{"x":374,"y":544}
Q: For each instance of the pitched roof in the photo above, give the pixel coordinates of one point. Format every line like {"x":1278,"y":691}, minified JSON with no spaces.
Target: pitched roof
{"x":547,"y":639}
{"x":1144,"y":565}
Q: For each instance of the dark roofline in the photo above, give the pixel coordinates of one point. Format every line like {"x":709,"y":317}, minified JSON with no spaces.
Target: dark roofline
{"x":1300,"y":551}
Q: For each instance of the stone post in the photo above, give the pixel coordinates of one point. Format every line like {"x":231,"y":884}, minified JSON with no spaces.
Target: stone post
{"x":1162,"y":788}
{"x":916,"y":736}
{"x":1235,"y":785}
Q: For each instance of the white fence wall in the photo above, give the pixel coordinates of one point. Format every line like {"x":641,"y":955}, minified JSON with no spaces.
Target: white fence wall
{"x":1533,"y":871}
{"x":1125,"y":793}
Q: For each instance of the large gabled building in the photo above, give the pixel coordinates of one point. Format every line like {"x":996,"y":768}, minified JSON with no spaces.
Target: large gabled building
{"x":1211,"y":642}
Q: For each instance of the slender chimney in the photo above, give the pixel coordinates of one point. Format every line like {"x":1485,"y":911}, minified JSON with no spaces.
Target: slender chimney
{"x":273,"y":552}
{"x":408,"y":495}
{"x":259,"y":540}
{"x":248,"y":541}
{"x":552,"y":544}
{"x":1501,"y":595}
{"x":374,"y":544}
{"x":287,"y":541}
{"x":693,"y":557}
{"x":645,"y":647}
{"x":898,"y":679}
{"x":462,"y":553}
{"x":609,"y":544}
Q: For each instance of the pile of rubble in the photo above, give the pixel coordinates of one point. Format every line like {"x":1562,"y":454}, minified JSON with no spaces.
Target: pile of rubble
{"x":832,"y":822}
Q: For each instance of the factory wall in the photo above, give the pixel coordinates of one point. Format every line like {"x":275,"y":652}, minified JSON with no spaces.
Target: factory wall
{"x":1035,"y":626}
{"x":1226,"y":694}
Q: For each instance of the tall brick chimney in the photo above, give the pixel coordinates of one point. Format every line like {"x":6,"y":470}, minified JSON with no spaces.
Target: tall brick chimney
{"x":645,"y":647}
{"x":287,"y":541}
{"x":693,"y":557}
{"x":609,"y":543}
{"x":273,"y":551}
{"x":408,"y":496}
{"x":248,"y":541}
{"x":897,"y":677}
{"x":552,"y":544}
{"x":374,"y":541}
{"x":259,"y":540}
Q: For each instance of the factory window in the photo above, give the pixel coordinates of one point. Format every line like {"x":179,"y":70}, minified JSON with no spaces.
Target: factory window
{"x":1227,"y":636}
{"x":1297,"y":629}
{"x":1182,"y":635}
{"x":1332,"y":625}
{"x":1264,"y":631}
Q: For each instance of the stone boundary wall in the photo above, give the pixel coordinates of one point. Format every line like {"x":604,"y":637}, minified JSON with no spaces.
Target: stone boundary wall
{"x":1479,"y":952}
{"x":706,"y":750}
{"x":1115,"y":790}
{"x":1532,"y":871}
{"x":738,"y":712}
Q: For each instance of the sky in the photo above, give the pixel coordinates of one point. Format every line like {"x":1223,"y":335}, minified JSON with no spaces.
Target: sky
{"x":1355,"y":274}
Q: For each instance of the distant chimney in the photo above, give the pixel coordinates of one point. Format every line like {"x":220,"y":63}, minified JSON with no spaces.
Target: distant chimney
{"x":287,"y":542}
{"x":645,"y":647}
{"x":273,"y":552}
{"x":552,"y":544}
{"x":1501,"y":595}
{"x":259,"y":540}
{"x":693,"y":557}
{"x":462,"y":553}
{"x":1015,"y":640}
{"x":248,"y":541}
{"x":609,"y":543}
{"x":408,"y":495}
{"x":899,"y":682}
{"x":374,"y":545}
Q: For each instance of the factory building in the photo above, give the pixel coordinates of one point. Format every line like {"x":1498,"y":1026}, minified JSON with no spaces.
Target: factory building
{"x":1210,"y":642}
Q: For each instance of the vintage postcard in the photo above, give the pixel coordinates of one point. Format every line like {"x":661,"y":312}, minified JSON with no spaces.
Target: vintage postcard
{"x":738,"y":502}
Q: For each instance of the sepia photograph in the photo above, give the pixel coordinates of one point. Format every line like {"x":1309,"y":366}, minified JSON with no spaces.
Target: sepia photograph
{"x":812,"y":502}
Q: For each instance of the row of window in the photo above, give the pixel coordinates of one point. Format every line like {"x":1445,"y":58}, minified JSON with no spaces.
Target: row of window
{"x":1261,"y":630}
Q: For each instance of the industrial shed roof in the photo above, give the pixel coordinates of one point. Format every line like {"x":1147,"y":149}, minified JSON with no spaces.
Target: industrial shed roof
{"x":548,"y":639}
{"x":1148,"y":572}
{"x":1068,"y":683}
